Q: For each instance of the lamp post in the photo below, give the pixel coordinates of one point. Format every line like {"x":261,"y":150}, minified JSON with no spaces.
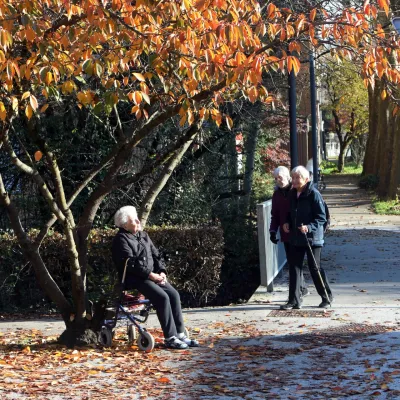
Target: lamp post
{"x":294,"y":162}
{"x":313,"y":98}
{"x":293,"y":118}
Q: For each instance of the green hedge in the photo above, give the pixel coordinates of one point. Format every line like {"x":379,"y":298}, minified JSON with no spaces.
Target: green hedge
{"x":369,"y":182}
{"x":194,"y":266}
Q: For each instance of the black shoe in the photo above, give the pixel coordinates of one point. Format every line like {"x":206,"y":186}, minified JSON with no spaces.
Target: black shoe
{"x":290,"y":306}
{"x":287,"y":306}
{"x":305,"y":292}
{"x":325,"y":304}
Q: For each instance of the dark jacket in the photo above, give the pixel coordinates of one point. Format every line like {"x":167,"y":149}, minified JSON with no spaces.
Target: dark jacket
{"x":142,"y":255}
{"x":308,"y":209}
{"x":279,"y":211}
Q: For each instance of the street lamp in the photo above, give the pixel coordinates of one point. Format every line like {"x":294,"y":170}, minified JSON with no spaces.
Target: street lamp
{"x":293,"y":118}
{"x":313,"y":98}
{"x":294,"y":162}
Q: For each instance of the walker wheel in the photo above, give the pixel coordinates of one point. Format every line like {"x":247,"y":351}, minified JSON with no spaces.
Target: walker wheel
{"x":105,"y":337}
{"x":145,"y":341}
{"x":132,"y":333}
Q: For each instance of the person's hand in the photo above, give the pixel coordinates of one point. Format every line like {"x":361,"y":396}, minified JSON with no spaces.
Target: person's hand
{"x":157,"y":278}
{"x":286,"y":228}
{"x":303,"y":229}
{"x":273,"y":238}
{"x":164,"y":280}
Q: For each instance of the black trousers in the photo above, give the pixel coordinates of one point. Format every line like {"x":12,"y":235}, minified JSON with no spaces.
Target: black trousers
{"x":296,"y":270}
{"x":288,"y":257}
{"x":166,"y":302}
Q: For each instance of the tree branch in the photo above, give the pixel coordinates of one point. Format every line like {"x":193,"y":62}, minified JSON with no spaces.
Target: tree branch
{"x":165,"y":174}
{"x":34,"y":174}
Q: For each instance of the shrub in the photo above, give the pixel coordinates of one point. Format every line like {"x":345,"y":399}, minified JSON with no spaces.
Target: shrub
{"x":369,"y":182}
{"x":195,"y":258}
{"x":194,"y":267}
{"x":240,"y":274}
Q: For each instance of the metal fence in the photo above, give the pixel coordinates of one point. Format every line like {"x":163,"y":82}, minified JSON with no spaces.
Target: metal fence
{"x":32,"y":209}
{"x":272,"y":257}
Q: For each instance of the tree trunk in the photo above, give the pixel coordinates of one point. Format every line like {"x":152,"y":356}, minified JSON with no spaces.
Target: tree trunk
{"x":80,"y":331}
{"x":371,"y":156}
{"x":338,"y":130}
{"x":344,"y":146}
{"x":394,"y":180}
{"x":386,"y":152}
{"x":31,"y":253}
{"x":383,"y":120}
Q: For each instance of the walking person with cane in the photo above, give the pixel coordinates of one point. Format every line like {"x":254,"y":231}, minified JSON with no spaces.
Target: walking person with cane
{"x":279,"y":211}
{"x":306,"y":220}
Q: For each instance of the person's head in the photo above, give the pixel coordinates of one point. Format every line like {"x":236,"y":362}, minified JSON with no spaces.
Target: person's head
{"x":126,"y":217}
{"x":300,"y":177}
{"x":282,"y":176}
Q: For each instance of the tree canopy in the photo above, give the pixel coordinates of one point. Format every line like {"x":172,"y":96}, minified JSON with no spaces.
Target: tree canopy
{"x":347,"y":102}
{"x":166,"y":52}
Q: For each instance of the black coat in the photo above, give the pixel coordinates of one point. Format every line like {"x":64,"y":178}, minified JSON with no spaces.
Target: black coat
{"x":279,"y":211}
{"x":143,"y":257}
{"x":308,"y":209}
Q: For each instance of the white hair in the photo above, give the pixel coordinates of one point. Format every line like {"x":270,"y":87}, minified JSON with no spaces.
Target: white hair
{"x":302,"y":171}
{"x":122,"y":215}
{"x":282,"y":171}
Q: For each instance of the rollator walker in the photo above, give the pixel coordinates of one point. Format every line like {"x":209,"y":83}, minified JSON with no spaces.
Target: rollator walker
{"x":129,"y":309}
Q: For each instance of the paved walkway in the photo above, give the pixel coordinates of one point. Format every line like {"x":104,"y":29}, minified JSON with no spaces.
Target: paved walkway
{"x":350,"y":206}
{"x":256,"y":351}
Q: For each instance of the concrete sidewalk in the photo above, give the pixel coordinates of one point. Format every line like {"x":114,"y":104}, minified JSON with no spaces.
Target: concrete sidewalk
{"x":350,"y":206}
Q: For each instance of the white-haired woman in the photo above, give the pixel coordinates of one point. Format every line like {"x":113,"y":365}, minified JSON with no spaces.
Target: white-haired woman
{"x":146,"y":273}
{"x":306,"y":222}
{"x":279,"y":211}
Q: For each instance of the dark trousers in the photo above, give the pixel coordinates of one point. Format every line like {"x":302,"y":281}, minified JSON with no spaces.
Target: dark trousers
{"x":296,"y":270}
{"x":288,"y":257}
{"x":166,"y":302}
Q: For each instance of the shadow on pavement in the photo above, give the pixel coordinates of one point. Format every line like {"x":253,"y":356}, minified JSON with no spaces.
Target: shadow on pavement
{"x":315,"y":365}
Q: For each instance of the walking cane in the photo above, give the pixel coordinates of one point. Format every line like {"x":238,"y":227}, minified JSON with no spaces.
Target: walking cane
{"x":318,"y":270}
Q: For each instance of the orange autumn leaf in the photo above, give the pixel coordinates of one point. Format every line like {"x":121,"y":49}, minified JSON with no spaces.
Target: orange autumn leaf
{"x":25,"y":95}
{"x":384,"y":4}
{"x":137,"y":97}
{"x":252,"y":94}
{"x":271,"y":10}
{"x":38,"y":155}
{"x":28,"y":111}
{"x":3,"y":112}
{"x":293,"y":63}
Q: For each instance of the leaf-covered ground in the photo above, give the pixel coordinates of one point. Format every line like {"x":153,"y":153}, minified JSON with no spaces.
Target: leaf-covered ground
{"x":236,"y":361}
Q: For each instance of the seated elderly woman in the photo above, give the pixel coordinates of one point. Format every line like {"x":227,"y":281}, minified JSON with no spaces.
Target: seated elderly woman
{"x":146,"y":273}
{"x":306,"y":220}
